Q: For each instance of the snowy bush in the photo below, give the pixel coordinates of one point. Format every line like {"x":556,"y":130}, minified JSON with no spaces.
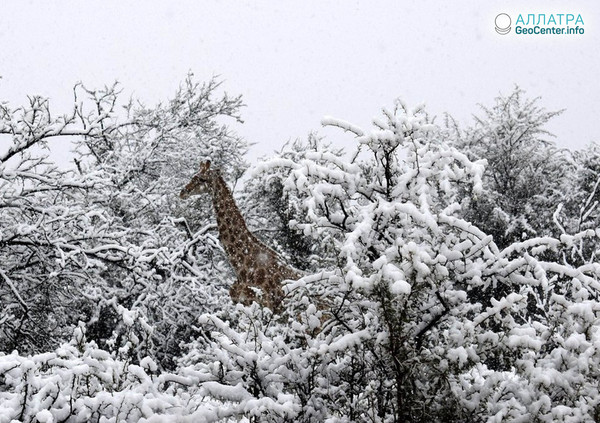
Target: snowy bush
{"x":411,"y":309}
{"x":441,"y":310}
{"x":526,"y":177}
{"x":81,"y":383}
{"x":109,"y":233}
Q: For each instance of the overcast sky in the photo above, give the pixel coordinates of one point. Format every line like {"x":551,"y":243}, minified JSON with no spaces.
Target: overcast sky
{"x":295,"y":62}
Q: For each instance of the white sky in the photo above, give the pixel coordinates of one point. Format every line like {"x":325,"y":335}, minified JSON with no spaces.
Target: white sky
{"x":295,"y":62}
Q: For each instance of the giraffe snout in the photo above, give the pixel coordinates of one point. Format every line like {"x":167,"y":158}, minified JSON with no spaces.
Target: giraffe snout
{"x":184,"y":194}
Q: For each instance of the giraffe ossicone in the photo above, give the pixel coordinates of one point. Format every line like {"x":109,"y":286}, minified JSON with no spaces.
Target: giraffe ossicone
{"x":255,"y":264}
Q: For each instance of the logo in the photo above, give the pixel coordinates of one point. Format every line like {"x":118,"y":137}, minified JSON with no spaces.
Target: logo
{"x":541,"y":24}
{"x":503,"y":24}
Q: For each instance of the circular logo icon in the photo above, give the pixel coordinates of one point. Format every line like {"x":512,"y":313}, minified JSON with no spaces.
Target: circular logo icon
{"x":503,"y":24}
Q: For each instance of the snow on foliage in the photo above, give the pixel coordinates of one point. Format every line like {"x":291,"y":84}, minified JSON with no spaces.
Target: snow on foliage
{"x":79,"y":382}
{"x":455,"y":316}
{"x":526,"y":176}
{"x":115,"y":296}
{"x":109,"y":235}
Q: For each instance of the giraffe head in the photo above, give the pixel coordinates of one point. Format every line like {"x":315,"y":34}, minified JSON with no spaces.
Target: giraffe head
{"x":201,"y":182}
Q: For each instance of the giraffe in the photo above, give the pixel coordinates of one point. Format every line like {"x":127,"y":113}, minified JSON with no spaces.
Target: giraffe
{"x":255,"y":264}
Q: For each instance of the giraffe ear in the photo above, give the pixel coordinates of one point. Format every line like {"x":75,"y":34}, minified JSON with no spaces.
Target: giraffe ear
{"x":204,"y":166}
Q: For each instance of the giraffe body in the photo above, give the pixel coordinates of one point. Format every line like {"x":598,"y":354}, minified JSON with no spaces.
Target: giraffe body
{"x":255,"y":264}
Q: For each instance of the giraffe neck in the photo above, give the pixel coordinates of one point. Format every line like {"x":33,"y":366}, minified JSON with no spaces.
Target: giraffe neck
{"x":255,"y":264}
{"x":239,"y":243}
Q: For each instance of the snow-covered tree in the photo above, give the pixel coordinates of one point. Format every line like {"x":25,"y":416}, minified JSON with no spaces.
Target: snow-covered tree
{"x":53,"y":245}
{"x":148,"y":160}
{"x":400,"y":331}
{"x":110,"y":235}
{"x":525,"y":174}
{"x":357,"y":338}
{"x":271,"y":210}
{"x":408,"y":311}
{"x":581,"y":206}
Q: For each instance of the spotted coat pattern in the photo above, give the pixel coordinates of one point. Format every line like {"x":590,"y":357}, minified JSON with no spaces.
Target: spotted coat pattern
{"x":255,"y":264}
